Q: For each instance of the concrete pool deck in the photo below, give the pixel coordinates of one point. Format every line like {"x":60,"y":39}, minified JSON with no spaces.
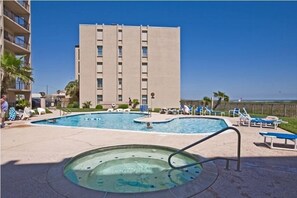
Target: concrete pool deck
{"x":32,"y":157}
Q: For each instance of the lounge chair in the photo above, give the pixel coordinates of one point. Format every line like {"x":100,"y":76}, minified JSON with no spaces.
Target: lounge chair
{"x":127,"y":110}
{"x":172,"y":111}
{"x":212,"y":112}
{"x":13,"y":114}
{"x":262,"y":122}
{"x":26,"y":114}
{"x":279,"y":135}
{"x":163,"y":110}
{"x":40,"y":110}
{"x":119,"y":110}
{"x":199,"y":110}
{"x":110,"y":110}
{"x":234,"y":112}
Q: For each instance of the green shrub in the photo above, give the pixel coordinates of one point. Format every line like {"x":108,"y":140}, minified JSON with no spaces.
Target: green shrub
{"x":123,"y":106}
{"x":135,"y":103}
{"x":47,"y":110}
{"x":21,"y":104}
{"x":87,"y":104}
{"x":157,"y":110}
{"x":73,"y":105}
{"x":99,"y":107}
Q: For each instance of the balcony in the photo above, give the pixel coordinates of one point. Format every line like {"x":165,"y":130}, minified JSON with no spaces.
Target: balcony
{"x":20,"y":7}
{"x":16,"y":44}
{"x":24,"y":4}
{"x":18,"y":86}
{"x":16,"y":20}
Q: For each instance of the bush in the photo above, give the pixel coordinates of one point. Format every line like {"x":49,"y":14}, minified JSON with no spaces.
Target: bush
{"x":123,"y":106}
{"x":47,"y":110}
{"x":99,"y":107}
{"x":73,"y":105}
{"x":87,"y":104}
{"x":21,"y":104}
{"x":157,"y":110}
{"x":135,"y":103}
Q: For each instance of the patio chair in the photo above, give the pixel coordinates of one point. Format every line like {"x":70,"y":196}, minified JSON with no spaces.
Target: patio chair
{"x":199,"y":110}
{"x":234,"y":112}
{"x":212,"y":112}
{"x":40,"y":110}
{"x":280,"y":135}
{"x":13,"y":114}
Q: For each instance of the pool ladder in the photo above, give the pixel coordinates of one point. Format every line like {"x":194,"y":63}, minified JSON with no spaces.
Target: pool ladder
{"x":214,"y":158}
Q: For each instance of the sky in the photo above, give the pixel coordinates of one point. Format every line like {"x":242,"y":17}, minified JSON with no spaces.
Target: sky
{"x":246,"y":49}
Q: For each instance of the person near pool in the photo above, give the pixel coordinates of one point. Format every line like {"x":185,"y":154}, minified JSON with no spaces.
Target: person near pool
{"x":4,"y":109}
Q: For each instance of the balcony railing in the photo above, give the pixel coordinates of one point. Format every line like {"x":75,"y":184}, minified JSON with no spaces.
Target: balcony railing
{"x":19,"y":20}
{"x":18,"y":41}
{"x":24,"y":4}
{"x":20,"y":86}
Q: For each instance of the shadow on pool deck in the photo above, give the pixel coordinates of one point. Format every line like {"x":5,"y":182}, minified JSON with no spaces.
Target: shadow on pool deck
{"x":259,"y":177}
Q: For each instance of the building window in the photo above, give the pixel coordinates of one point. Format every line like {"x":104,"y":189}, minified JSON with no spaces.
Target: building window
{"x":78,"y":67}
{"x":144,"y":52}
{"x":120,"y":51}
{"x":144,"y":83}
{"x":144,"y":99}
{"x":99,"y":83}
{"x":99,"y":98}
{"x":144,"y":67}
{"x":120,"y":68}
{"x":120,"y":35}
{"x":99,"y":67}
{"x":120,"y":98}
{"x":120,"y":83}
{"x":99,"y":35}
{"x":144,"y":35}
{"x":100,"y":50}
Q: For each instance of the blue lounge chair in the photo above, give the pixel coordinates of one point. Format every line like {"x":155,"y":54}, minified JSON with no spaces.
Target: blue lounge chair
{"x":212,"y":112}
{"x":199,"y":110}
{"x":234,"y":112}
{"x":279,"y":135}
{"x":13,"y":114}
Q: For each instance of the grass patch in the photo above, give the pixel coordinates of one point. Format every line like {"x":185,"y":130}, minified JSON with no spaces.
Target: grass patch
{"x":291,"y":126}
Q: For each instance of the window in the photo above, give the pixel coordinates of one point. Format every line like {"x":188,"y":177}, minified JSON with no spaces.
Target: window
{"x":120,"y":68}
{"x":99,"y":35}
{"x":120,"y":83}
{"x":99,"y":67}
{"x":144,"y":52}
{"x":100,"y":51}
{"x":99,"y":83}
{"x":144,"y":68}
{"x":78,"y":67}
{"x":99,"y":98}
{"x":120,"y":35}
{"x":144,"y":35}
{"x":120,"y":51}
{"x":144,"y":99}
{"x":120,"y":98}
{"x":144,"y":83}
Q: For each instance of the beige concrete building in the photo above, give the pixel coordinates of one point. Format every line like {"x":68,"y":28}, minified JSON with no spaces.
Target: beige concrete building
{"x":116,"y":62}
{"x":15,"y":37}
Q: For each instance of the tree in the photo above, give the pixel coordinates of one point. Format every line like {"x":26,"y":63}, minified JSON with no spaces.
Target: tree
{"x":13,"y":68}
{"x":221,"y":96}
{"x":206,"y":100}
{"x":72,"y":89}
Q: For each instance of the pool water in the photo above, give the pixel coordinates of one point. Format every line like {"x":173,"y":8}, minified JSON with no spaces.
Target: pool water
{"x":125,"y":121}
{"x":130,"y":169}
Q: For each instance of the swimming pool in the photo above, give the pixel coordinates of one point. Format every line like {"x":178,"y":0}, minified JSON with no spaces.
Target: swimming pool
{"x":125,"y":121}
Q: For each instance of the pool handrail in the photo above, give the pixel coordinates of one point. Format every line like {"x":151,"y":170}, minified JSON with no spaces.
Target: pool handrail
{"x":210,"y":159}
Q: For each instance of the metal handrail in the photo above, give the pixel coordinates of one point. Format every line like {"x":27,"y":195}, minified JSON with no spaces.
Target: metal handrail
{"x":211,"y":159}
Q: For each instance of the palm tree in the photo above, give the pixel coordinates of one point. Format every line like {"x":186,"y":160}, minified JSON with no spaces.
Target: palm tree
{"x":206,"y":100}
{"x":12,"y":68}
{"x":72,"y":89}
{"x":221,"y":96}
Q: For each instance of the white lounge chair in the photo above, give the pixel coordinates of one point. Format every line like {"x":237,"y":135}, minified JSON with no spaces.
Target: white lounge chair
{"x":41,"y":111}
{"x":126,"y":110}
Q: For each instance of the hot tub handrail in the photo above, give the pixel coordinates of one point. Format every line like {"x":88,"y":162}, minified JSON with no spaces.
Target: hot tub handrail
{"x":210,"y":159}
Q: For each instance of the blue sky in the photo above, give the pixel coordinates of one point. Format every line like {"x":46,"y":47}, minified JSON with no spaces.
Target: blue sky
{"x":246,"y":49}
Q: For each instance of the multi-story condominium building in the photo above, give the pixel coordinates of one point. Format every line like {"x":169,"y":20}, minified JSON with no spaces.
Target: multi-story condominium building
{"x":115,"y":62}
{"x":15,"y":37}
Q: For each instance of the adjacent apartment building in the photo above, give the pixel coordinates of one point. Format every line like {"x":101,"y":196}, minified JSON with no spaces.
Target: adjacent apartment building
{"x":15,"y":37}
{"x":116,"y":62}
